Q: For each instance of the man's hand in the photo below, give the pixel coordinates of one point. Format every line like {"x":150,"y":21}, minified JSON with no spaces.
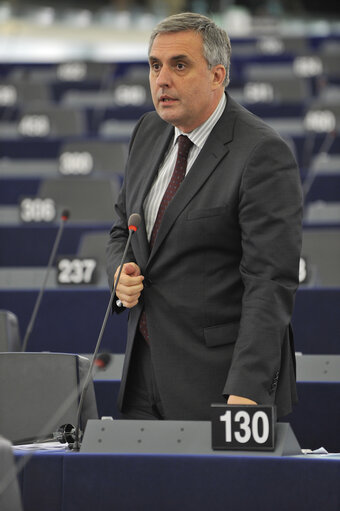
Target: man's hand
{"x":130,"y":284}
{"x":238,"y":400}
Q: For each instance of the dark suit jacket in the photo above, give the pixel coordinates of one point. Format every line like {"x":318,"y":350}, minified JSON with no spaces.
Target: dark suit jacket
{"x":220,"y":280}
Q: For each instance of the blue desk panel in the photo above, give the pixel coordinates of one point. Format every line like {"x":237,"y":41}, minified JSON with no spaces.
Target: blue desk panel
{"x":316,"y":419}
{"x":42,"y":473}
{"x":31,"y":147}
{"x":316,"y":321}
{"x":31,"y":245}
{"x":12,"y":190}
{"x":109,"y":482}
{"x":325,"y":187}
{"x":68,"y":321}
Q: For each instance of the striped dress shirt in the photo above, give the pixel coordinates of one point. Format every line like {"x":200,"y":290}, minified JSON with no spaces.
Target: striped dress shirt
{"x":198,"y":136}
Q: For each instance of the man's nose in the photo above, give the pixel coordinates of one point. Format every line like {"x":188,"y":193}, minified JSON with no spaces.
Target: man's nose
{"x":163,"y":78}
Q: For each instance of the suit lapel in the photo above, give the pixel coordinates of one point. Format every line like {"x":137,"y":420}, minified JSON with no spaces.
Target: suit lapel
{"x":214,"y":150}
{"x":150,"y":167}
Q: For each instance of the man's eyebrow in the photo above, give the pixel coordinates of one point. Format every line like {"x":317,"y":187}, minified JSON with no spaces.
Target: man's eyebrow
{"x":180,"y":57}
{"x":174,"y":57}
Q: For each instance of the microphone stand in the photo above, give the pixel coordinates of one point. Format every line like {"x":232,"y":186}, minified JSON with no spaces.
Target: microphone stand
{"x":64,"y":217}
{"x":77,"y":433}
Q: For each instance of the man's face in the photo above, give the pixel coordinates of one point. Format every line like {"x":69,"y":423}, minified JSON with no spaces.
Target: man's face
{"x":184,"y":91}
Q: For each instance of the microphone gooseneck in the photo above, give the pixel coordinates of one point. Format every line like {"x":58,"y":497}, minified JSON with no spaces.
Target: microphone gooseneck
{"x":133,"y":224}
{"x":64,"y":217}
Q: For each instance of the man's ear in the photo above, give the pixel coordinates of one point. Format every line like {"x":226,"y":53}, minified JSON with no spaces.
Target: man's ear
{"x":219,"y":74}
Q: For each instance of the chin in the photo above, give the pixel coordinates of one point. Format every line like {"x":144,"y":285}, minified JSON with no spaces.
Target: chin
{"x":167,"y":117}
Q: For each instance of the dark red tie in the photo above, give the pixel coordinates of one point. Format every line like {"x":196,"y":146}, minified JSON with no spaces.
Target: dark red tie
{"x":184,"y":144}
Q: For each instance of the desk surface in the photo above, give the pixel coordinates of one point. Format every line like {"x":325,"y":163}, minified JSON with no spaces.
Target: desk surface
{"x":69,"y":481}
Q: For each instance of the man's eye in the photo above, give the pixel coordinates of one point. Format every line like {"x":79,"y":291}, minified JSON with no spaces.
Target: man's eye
{"x":155,"y":67}
{"x":180,"y":66}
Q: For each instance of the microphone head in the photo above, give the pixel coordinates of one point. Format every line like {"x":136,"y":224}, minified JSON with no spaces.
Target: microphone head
{"x":65,"y":214}
{"x":134,"y":221}
{"x":102,"y":360}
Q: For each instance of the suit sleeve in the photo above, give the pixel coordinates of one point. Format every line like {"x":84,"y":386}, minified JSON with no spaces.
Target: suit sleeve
{"x":270,"y":216}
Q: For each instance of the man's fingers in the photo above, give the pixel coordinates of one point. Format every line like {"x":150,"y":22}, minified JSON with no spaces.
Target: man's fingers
{"x":129,"y":289}
{"x":130,"y":275}
{"x":127,"y":300}
{"x":131,"y":269}
{"x":130,"y":283}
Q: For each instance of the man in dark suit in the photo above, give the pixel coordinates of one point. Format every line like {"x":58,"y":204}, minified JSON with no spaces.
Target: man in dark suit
{"x":211,"y":273}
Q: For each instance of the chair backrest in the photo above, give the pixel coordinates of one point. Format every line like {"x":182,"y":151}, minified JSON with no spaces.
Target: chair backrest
{"x":321,"y":251}
{"x":90,"y":200}
{"x":51,"y":121}
{"x":39,"y":392}
{"x":9,"y":331}
{"x":116,"y":128}
{"x":93,"y":244}
{"x":93,"y":156}
{"x":20,"y":93}
{"x":323,"y":115}
{"x":133,"y":88}
{"x":285,"y":86}
{"x":330,"y":58}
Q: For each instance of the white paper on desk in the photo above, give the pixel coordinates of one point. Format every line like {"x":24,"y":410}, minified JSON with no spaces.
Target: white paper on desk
{"x":41,"y":446}
{"x":322,"y":451}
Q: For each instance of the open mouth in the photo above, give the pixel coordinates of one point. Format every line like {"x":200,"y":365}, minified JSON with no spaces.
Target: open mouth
{"x":167,"y":100}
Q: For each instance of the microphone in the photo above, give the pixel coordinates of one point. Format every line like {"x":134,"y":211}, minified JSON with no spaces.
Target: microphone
{"x":75,"y":433}
{"x":64,"y":217}
{"x":102,"y":361}
{"x":134,"y":222}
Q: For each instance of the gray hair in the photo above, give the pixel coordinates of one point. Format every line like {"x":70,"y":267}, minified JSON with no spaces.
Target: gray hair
{"x":216,"y":43}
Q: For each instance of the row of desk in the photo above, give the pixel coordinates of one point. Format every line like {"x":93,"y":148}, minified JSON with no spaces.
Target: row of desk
{"x":69,"y":320}
{"x":69,"y":481}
